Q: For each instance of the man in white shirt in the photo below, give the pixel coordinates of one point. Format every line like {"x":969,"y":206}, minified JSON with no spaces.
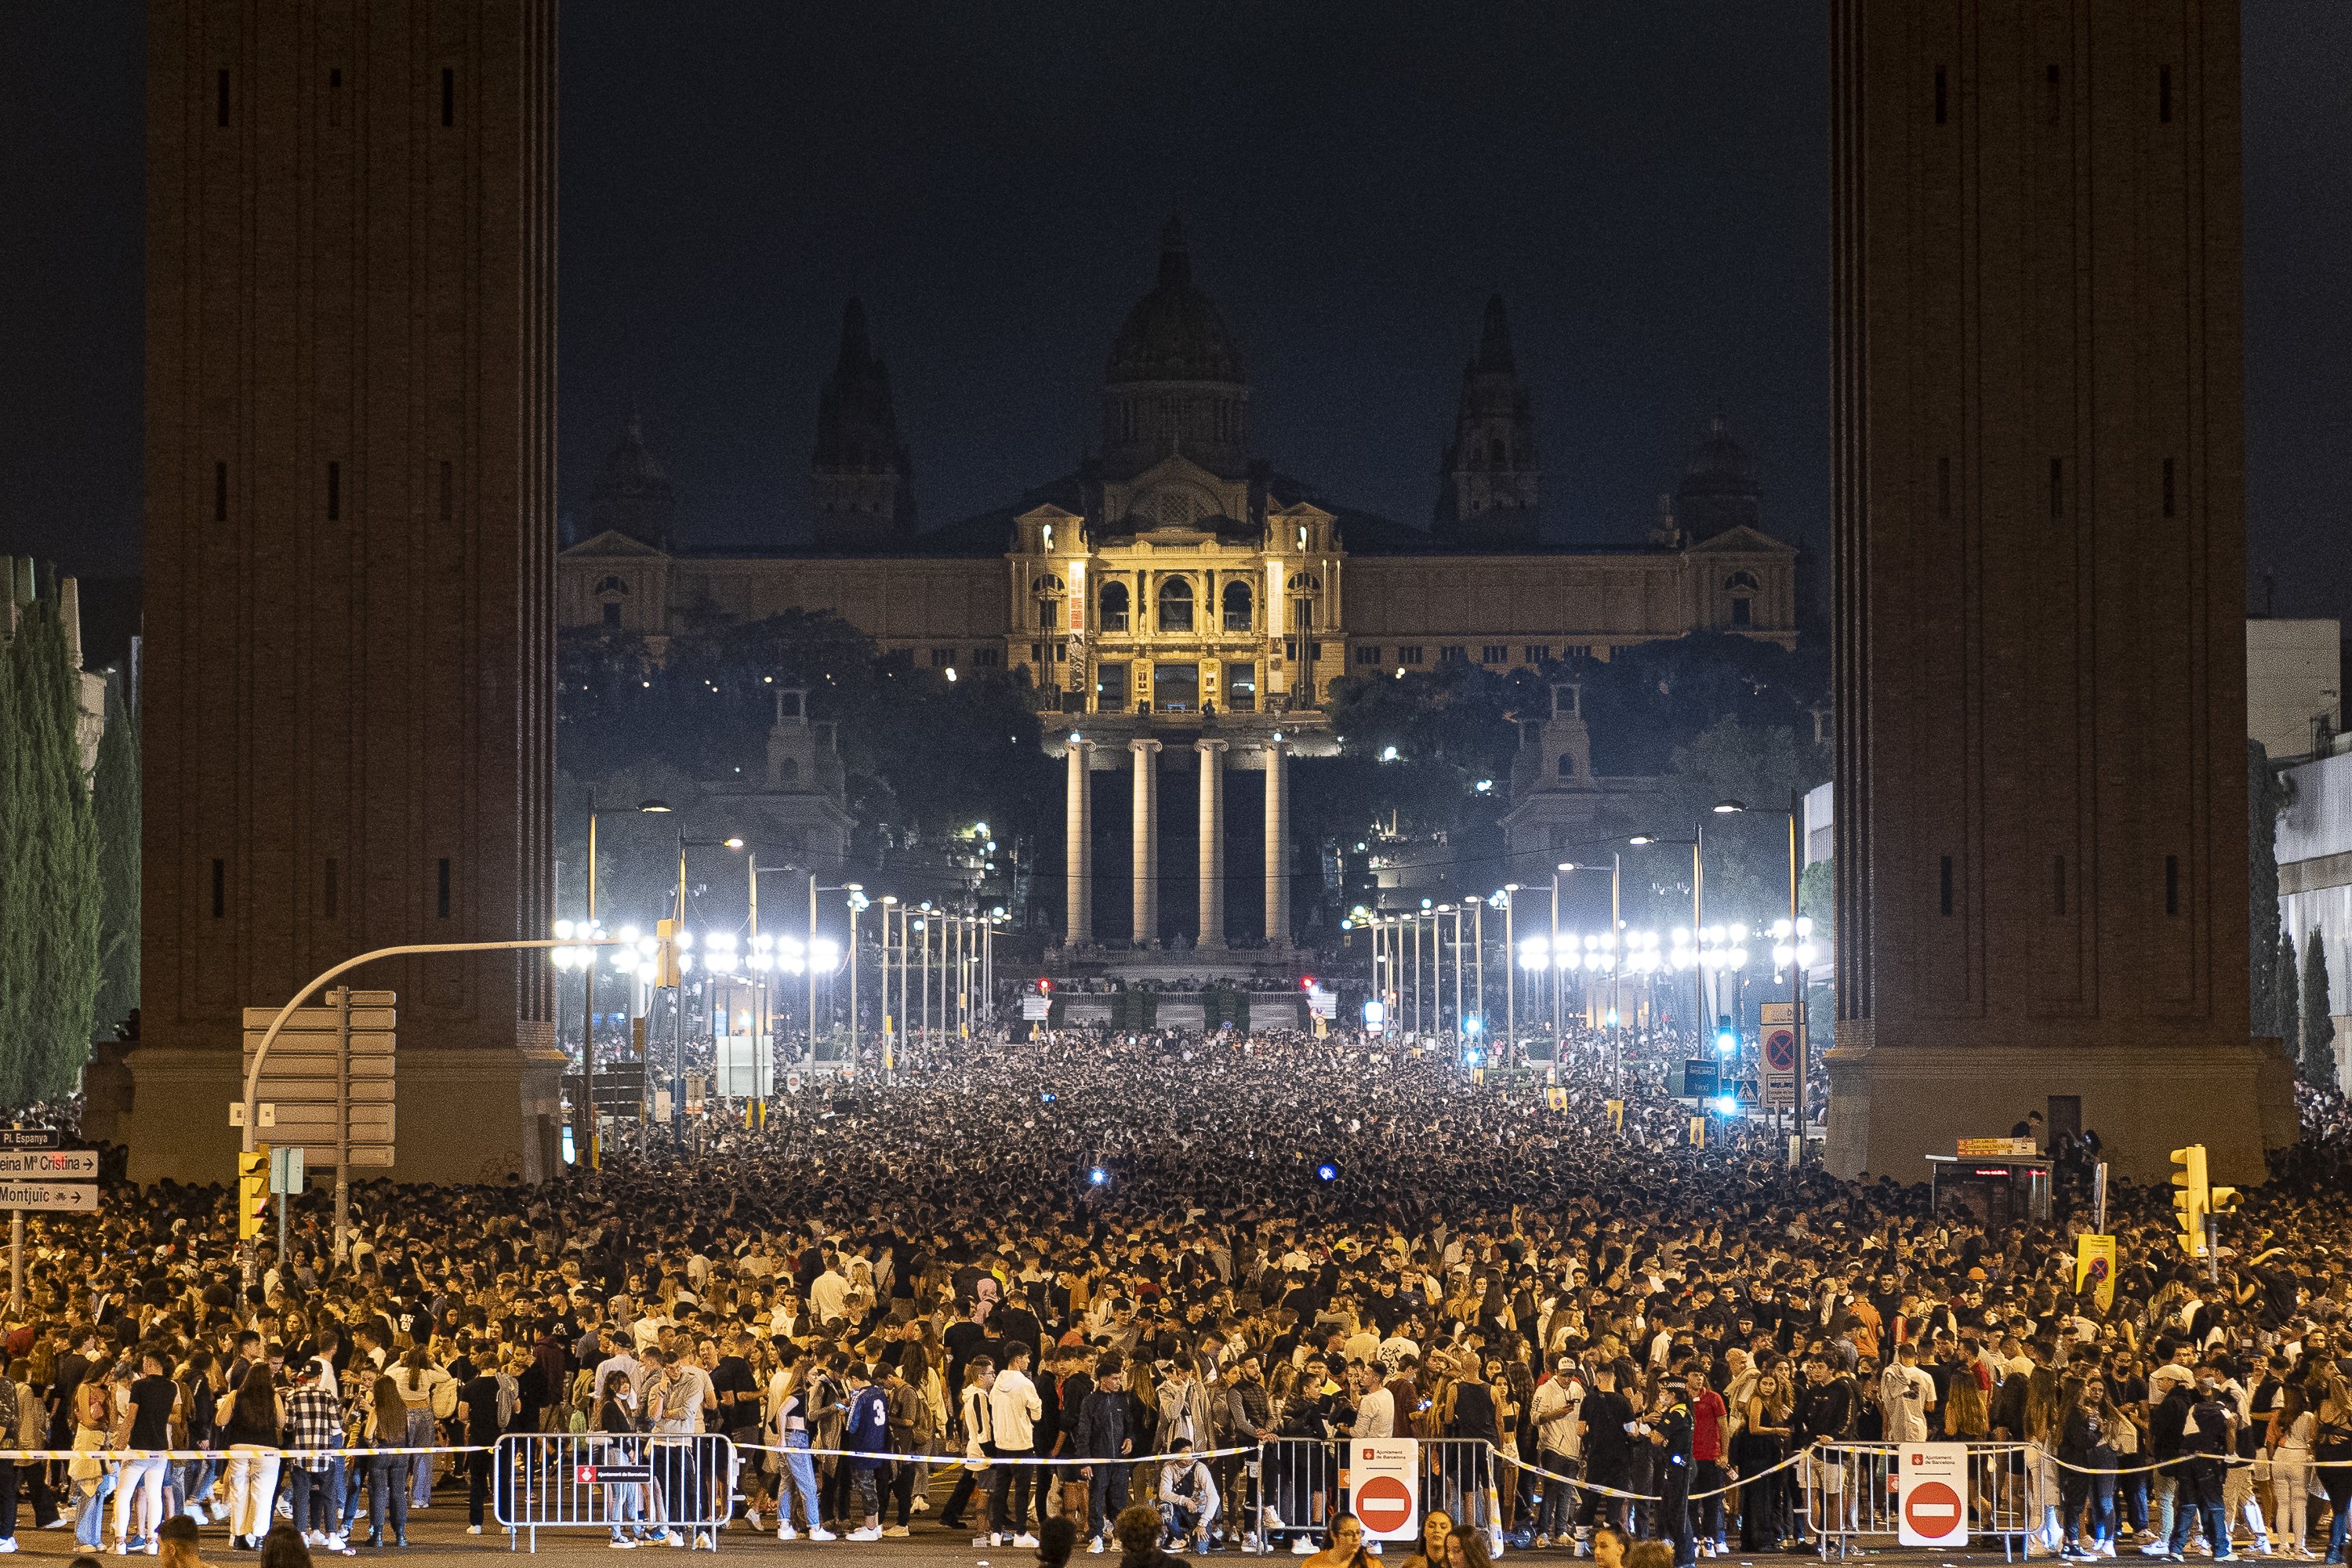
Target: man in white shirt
{"x":1376,"y":1412}
{"x":1906,"y":1393}
{"x":828,"y":1291}
{"x":677,"y":1393}
{"x":1013,"y":1409}
{"x":1558,"y":1412}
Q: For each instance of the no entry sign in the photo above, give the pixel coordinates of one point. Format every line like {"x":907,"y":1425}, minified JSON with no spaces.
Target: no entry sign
{"x":1384,"y":1477}
{"x":1932,"y":1494}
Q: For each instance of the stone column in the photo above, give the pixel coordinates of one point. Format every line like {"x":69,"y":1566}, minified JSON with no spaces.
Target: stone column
{"x":1146,"y":842}
{"x":1212,"y":842}
{"x":1078,"y":906}
{"x":1277,"y":845}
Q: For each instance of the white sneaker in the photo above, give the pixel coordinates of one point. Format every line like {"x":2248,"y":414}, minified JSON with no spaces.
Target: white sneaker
{"x":1095,"y":1546}
{"x":983,"y":1541}
{"x":622,"y":1544}
{"x":705,"y":1541}
{"x":922,"y":1505}
{"x":473,"y":1530}
{"x":336,"y":1543}
{"x":8,"y":1545}
{"x":786,"y":1533}
{"x":1301,"y":1547}
{"x":819,"y":1532}
{"x":314,"y":1538}
{"x":1026,"y":1540}
{"x":751,"y":1518}
{"x":672,"y":1538}
{"x":869,"y":1533}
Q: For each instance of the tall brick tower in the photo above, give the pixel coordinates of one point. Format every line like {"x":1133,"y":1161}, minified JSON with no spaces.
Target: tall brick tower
{"x":350,"y":536}
{"x":2039,"y":537}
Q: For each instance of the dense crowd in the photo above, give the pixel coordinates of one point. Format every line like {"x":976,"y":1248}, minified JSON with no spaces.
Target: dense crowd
{"x":1152,"y":1257}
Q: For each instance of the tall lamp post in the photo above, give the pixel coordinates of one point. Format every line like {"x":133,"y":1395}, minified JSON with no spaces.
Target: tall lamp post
{"x":588,"y":991}
{"x":1791,"y":951}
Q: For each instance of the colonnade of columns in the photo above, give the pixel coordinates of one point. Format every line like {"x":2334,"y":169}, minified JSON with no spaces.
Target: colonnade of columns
{"x":1144,"y":754}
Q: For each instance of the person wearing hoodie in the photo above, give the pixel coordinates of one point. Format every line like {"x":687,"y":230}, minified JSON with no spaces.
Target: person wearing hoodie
{"x":1014,"y":1408}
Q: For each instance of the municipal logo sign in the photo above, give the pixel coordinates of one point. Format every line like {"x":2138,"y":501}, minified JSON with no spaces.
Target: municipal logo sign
{"x":1384,"y":1477}
{"x":1933,"y":1488}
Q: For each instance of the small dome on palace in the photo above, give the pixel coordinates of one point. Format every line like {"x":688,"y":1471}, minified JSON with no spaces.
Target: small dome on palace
{"x":1175,"y":332}
{"x":1720,"y":466}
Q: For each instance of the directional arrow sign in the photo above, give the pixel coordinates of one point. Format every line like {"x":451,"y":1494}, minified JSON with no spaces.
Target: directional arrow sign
{"x":71,"y":1198}
{"x":55,"y":1165}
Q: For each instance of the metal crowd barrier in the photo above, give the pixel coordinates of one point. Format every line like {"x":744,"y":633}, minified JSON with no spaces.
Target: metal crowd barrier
{"x":1850,"y":1494}
{"x":1305,"y":1482}
{"x":614,"y":1481}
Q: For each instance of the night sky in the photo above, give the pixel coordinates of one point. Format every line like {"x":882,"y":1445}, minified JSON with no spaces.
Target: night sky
{"x":1645,"y":182}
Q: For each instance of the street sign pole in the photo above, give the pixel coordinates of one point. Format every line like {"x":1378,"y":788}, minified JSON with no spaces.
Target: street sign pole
{"x":341,"y":998}
{"x":404,"y":950}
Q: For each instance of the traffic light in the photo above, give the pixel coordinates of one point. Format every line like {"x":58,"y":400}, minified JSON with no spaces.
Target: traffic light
{"x":2220,"y":1201}
{"x":2192,"y":1199}
{"x":1727,"y":1040}
{"x":1306,"y":983}
{"x":252,"y":1192}
{"x":1044,"y":986}
{"x":664,"y":954}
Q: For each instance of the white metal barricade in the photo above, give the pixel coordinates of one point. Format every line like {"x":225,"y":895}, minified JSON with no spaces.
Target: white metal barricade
{"x":622,"y":1482}
{"x":1851,"y":1495}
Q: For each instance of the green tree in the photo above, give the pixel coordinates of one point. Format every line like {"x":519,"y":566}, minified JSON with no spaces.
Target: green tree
{"x":51,"y":857}
{"x":1747,"y":854}
{"x":19,"y":900}
{"x":2284,"y":987}
{"x":2266,"y":796}
{"x":2319,"y":1020}
{"x":1817,"y":900}
{"x":114,"y":802}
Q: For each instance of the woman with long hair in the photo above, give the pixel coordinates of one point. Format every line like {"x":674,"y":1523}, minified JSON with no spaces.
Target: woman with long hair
{"x":2288,"y":1445}
{"x":256,"y":1415}
{"x":2087,"y":1465}
{"x":2331,"y":1445}
{"x":387,"y":1430}
{"x":1763,"y":1443}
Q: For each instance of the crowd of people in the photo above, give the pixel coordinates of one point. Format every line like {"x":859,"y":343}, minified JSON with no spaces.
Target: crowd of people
{"x":1182,"y":1268}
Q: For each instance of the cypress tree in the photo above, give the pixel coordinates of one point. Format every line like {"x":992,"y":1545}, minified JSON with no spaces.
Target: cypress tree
{"x":16,"y":902}
{"x":58,"y":861}
{"x":2265,"y":798}
{"x":114,"y":804}
{"x":2287,"y":988}
{"x":2318,"y":1023}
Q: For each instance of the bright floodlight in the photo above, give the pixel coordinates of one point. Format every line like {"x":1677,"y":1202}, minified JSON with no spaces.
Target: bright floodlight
{"x":1326,"y":1171}
{"x":563,"y":930}
{"x":825,"y":953}
{"x":1098,"y":1176}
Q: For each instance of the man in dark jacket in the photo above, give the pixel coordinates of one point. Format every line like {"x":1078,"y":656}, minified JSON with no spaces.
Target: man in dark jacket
{"x":1103,"y":1436}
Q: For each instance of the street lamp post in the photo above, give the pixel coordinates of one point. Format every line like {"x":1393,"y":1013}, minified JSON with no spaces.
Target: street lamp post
{"x":588,"y":994}
{"x":1794,"y":941}
{"x":1510,"y":972}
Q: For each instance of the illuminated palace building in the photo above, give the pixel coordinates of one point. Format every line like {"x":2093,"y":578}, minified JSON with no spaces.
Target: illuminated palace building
{"x":1182,"y":604}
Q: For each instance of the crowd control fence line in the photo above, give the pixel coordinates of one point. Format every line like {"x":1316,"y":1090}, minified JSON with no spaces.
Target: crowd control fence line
{"x":1850,"y":1494}
{"x":610,"y":1480}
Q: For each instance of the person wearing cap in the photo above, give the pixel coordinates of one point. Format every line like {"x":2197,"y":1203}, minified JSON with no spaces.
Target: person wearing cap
{"x":1558,"y":1412}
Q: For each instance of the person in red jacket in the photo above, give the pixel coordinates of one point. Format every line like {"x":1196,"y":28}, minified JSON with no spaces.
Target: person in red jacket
{"x":1709,"y":1437}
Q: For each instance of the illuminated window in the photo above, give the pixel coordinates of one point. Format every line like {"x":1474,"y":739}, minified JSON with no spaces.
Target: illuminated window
{"x":1176,"y":606}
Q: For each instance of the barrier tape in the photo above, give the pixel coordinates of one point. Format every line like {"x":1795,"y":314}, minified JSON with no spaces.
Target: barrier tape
{"x":976,"y":1462}
{"x":242,"y":1450}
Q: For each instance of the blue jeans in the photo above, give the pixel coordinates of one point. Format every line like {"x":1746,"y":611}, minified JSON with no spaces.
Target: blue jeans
{"x":802,"y":1474}
{"x":324,"y":1485}
{"x":89,"y":1529}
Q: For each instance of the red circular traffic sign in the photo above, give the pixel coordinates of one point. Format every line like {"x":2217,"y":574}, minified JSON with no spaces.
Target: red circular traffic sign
{"x":1383,"y":1504}
{"x":1781,"y":1049}
{"x":1933,"y":1509}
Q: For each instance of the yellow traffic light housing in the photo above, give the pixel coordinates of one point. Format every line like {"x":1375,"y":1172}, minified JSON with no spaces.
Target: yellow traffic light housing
{"x":252,"y":1192}
{"x":2192,"y":1198}
{"x":2220,"y":1201}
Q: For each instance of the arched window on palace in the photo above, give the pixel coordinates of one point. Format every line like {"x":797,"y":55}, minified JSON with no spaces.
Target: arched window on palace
{"x":1047,"y":592}
{"x":1176,"y":606}
{"x":1743,"y":587}
{"x":1114,"y":606}
{"x":612,"y":594}
{"x":1237,"y":607}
